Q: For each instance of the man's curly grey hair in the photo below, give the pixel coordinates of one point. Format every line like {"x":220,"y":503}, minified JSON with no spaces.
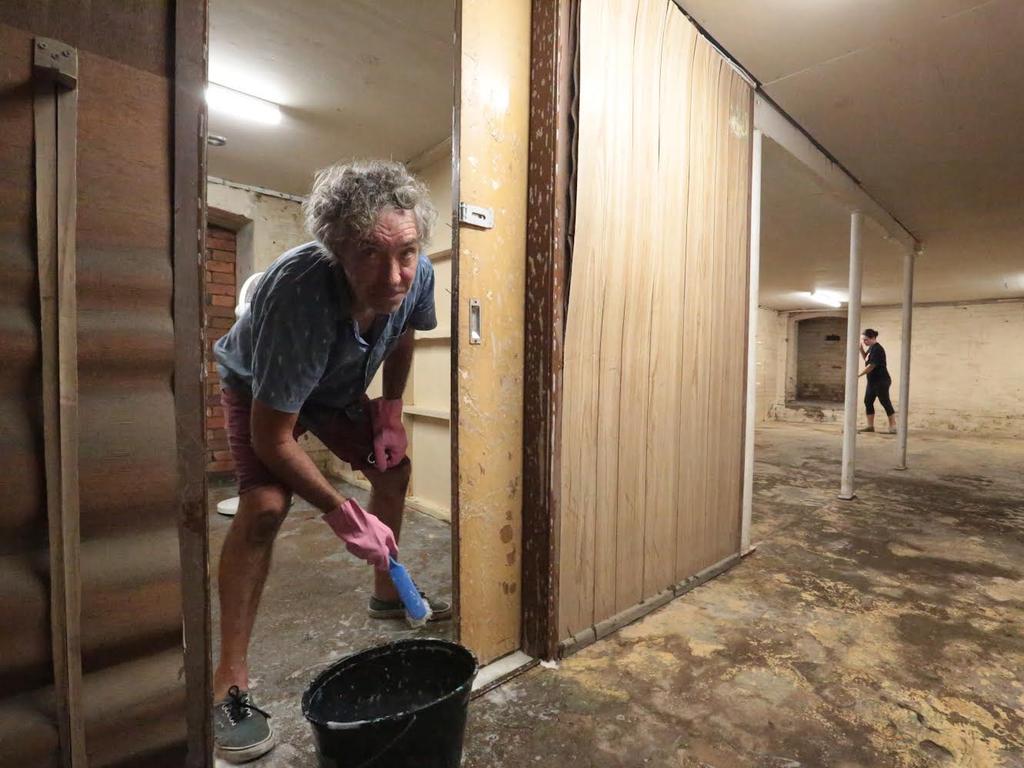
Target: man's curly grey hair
{"x":347,"y":198}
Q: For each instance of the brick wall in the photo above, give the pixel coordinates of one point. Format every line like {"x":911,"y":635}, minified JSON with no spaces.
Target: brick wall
{"x":967,"y":372}
{"x":219,"y":291}
{"x":821,"y":359}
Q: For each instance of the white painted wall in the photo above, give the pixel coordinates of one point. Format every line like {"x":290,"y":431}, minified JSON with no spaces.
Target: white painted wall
{"x":967,"y":366}
{"x":275,"y":225}
{"x":771,"y":362}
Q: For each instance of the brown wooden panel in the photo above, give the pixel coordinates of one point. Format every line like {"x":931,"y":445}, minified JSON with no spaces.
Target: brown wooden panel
{"x":552,"y":51}
{"x":654,"y":376}
{"x":128,"y":454}
{"x":23,"y":520}
{"x":190,"y":35}
{"x":130,"y":31}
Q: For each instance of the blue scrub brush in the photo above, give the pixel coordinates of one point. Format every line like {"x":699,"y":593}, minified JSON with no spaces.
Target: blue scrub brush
{"x":417,"y":612}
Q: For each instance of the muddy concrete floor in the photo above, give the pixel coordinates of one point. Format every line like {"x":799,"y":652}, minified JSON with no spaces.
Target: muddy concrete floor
{"x":887,"y":631}
{"x":313,"y":610}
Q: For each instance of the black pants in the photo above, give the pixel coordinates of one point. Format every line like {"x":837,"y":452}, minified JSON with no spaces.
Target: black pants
{"x":879,"y":389}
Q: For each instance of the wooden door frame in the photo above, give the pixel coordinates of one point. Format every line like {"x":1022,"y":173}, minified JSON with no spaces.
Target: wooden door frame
{"x":554,"y":66}
{"x":453,"y":341}
{"x":553,"y":60}
{"x":189,"y":226}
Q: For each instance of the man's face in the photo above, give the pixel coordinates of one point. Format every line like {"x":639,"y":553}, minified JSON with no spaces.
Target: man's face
{"x":380,"y":269}
{"x":867,"y":341}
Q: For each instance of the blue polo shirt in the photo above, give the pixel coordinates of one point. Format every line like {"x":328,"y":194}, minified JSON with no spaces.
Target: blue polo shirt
{"x":297,"y":343}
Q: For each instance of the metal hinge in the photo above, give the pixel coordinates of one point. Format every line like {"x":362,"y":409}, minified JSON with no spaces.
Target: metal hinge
{"x":56,"y":60}
{"x":476,"y":216}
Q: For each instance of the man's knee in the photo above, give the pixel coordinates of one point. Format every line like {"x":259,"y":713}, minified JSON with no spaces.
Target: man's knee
{"x":261,"y":512}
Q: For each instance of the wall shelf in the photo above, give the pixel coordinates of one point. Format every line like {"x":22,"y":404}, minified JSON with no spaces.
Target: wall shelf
{"x":437,"y":333}
{"x":440,"y":255}
{"x":441,"y":414}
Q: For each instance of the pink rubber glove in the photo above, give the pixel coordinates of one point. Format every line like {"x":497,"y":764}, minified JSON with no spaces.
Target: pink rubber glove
{"x":365,"y":536}
{"x":389,"y":439}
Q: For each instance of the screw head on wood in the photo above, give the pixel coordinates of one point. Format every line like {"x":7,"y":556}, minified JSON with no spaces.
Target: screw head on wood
{"x":42,"y":46}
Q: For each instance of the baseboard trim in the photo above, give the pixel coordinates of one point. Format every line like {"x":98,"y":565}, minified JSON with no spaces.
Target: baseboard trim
{"x":602,"y":629}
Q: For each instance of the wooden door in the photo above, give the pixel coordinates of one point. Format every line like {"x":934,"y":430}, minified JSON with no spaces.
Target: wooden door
{"x":98,"y":682}
{"x":652,"y":403}
{"x":491,"y":144}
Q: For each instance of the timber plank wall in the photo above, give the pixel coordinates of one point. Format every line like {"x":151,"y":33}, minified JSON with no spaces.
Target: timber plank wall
{"x":655,"y":347}
{"x":133,"y":693}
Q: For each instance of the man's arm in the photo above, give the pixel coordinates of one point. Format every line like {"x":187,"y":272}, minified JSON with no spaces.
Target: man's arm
{"x":275,"y":445}
{"x":867,"y":369}
{"x":397,"y":365}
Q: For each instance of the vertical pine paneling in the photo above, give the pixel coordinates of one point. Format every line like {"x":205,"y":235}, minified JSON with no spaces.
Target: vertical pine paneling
{"x":668,"y":337}
{"x":655,"y":328}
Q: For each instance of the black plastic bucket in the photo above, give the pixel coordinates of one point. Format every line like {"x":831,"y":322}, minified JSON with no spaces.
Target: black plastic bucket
{"x":401,"y":705}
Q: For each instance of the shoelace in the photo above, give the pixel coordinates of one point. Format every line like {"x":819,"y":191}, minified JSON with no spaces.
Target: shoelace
{"x":238,"y":706}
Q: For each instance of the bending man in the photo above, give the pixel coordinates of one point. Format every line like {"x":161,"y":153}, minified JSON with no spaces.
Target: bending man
{"x":325,"y":316}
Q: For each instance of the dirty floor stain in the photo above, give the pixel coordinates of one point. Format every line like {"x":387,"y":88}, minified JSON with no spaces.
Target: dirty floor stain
{"x":884,"y":632}
{"x":313,"y":610}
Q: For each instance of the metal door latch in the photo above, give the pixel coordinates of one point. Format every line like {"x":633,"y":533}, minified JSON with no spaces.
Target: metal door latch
{"x":474,"y":322}
{"x":476,"y":216}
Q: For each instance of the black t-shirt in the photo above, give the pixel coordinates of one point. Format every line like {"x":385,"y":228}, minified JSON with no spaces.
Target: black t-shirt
{"x":876,"y":357}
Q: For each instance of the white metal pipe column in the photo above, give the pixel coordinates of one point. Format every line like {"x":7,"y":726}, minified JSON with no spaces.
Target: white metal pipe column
{"x":902,"y":426}
{"x":754,"y":288}
{"x":853,"y":358}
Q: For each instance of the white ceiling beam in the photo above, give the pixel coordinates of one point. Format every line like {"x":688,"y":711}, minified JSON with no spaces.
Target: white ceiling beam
{"x":779,"y":128}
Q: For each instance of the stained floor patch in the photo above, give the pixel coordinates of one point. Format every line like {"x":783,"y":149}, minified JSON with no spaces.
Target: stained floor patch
{"x":881,"y":632}
{"x":313,"y":610}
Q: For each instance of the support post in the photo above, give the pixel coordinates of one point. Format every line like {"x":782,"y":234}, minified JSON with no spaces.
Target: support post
{"x":902,"y":426}
{"x":755,"y":276}
{"x":853,"y":359}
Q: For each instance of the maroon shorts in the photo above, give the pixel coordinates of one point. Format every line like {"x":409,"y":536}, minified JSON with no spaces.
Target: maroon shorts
{"x":348,"y":437}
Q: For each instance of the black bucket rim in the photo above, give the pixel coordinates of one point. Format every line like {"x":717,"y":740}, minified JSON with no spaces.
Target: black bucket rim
{"x":380,"y":650}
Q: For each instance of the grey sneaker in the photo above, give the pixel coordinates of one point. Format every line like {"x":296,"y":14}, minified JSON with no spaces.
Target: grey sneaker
{"x":866,"y":429}
{"x":241,"y":731}
{"x":440,"y":610}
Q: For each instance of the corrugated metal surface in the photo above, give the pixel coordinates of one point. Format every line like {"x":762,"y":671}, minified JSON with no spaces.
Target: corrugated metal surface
{"x":133,"y":690}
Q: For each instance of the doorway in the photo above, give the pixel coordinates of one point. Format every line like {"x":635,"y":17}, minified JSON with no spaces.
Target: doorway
{"x":383,"y":89}
{"x":821,"y":360}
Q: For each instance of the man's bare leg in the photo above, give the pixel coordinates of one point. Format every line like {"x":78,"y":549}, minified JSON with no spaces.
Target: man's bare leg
{"x":387,"y":501}
{"x":244,"y":563}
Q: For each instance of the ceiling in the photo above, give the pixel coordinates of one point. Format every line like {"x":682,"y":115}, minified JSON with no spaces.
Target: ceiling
{"x":921,"y":101}
{"x":805,"y":240}
{"x":353,"y":78}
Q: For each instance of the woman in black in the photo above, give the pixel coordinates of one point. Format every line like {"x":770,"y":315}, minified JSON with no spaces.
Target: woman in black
{"x":878,"y":379}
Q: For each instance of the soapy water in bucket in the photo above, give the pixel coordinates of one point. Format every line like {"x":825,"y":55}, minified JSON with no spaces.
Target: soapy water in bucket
{"x":401,"y":705}
{"x":400,"y":687}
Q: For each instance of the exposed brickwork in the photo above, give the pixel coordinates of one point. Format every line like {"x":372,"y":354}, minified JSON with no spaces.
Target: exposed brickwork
{"x":967,"y":374}
{"x":219,"y":292}
{"x":821,"y":359}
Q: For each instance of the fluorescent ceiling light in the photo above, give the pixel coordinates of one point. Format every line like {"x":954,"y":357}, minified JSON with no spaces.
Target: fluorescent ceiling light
{"x":242,"y":105}
{"x":828,"y":298}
